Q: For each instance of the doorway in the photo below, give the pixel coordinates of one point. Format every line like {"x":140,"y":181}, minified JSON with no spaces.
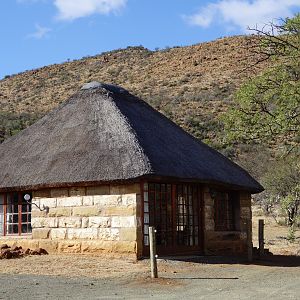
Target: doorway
{"x":175,"y":212}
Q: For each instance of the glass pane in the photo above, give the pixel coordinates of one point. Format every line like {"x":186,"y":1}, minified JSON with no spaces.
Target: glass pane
{"x":151,"y":187}
{"x":15,"y":218}
{"x":146,"y":240}
{"x":9,"y":218}
{"x":1,"y":203}
{"x":12,"y":229}
{"x":145,"y":196}
{"x":157,"y":187}
{"x":25,"y":207}
{"x":146,"y":207}
{"x":24,"y":228}
{"x":15,"y":228}
{"x":169,"y":188}
{"x":151,"y":197}
{"x":146,"y":229}
{"x":146,"y":218}
{"x":24,"y":218}
{"x":145,"y":186}
{"x":9,"y":229}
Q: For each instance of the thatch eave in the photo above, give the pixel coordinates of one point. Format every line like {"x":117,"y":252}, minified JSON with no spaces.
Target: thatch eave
{"x":144,"y":178}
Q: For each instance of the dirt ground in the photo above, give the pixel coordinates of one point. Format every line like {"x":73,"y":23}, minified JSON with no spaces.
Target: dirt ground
{"x":86,"y":277}
{"x":275,"y":236}
{"x":92,"y":277}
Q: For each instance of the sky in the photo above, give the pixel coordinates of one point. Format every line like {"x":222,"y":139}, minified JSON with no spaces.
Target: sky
{"x":35,"y":33}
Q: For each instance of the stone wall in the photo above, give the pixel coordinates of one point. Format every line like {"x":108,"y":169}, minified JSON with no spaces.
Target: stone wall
{"x":100,"y":219}
{"x":226,"y":242}
{"x":107,"y":219}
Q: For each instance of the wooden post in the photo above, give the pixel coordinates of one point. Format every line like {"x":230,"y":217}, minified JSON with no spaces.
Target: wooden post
{"x":261,"y":237}
{"x":249,"y":240}
{"x":153,"y":256}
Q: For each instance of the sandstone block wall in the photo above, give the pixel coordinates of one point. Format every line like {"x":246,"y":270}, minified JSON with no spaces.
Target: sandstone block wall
{"x":99,"y":219}
{"x":226,"y":242}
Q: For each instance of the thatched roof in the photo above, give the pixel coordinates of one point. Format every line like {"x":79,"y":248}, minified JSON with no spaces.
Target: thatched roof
{"x":104,"y":134}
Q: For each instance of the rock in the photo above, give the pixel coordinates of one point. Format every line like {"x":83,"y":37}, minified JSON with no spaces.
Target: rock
{"x":4,"y":246}
{"x":43,"y":251}
{"x":16,"y":248}
{"x":18,"y":252}
{"x":15,"y":254}
{"x":7,"y":254}
{"x":35,"y":252}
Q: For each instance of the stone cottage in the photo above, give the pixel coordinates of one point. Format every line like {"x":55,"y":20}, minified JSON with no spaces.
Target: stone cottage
{"x":92,"y":176}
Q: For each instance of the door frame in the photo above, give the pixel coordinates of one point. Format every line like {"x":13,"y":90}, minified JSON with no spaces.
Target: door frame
{"x":176,"y":250}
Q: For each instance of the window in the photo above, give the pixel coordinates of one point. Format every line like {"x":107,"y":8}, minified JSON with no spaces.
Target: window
{"x":15,"y":213}
{"x":226,"y":211}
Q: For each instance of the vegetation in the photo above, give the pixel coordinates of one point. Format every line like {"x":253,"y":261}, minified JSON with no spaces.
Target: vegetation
{"x":282,"y":186}
{"x":266,"y":112}
{"x":11,"y":123}
{"x":267,"y":108}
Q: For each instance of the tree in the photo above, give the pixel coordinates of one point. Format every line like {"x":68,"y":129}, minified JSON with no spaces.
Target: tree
{"x":282,"y":186}
{"x":267,"y":108}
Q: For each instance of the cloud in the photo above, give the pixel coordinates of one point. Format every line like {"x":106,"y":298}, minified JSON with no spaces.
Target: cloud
{"x":242,"y":14}
{"x":40,"y":32}
{"x":73,"y":9}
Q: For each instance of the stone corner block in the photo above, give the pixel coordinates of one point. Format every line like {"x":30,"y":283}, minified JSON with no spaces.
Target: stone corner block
{"x":128,"y":234}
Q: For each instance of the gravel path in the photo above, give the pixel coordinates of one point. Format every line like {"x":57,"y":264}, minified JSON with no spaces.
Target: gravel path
{"x":278,"y":278}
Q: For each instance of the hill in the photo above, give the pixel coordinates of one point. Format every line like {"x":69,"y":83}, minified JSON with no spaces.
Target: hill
{"x":192,"y":85}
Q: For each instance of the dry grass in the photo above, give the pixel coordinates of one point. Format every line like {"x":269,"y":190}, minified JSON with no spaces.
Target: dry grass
{"x":275,"y":237}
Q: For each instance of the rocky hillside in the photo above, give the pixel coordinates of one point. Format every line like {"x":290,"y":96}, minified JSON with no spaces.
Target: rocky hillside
{"x":192,"y":85}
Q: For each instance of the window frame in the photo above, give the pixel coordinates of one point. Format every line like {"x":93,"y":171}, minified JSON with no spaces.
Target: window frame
{"x":20,"y":212}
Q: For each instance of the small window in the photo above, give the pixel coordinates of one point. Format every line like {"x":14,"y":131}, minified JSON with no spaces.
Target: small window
{"x":227,"y":211}
{"x":15,"y":213}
